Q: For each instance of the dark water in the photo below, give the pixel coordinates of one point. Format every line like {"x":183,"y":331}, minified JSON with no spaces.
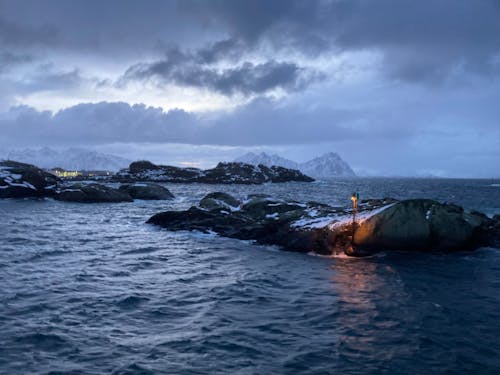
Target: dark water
{"x":92,"y":289}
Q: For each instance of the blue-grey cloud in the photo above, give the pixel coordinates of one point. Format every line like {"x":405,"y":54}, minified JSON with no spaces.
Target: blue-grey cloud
{"x":14,"y":35}
{"x":261,"y":122}
{"x":246,"y":79}
{"x":197,"y":68}
{"x":9,"y":59}
{"x":407,"y":145}
{"x":420,"y":42}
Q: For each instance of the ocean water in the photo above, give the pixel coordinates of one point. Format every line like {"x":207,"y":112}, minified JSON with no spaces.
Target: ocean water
{"x":93,"y":289}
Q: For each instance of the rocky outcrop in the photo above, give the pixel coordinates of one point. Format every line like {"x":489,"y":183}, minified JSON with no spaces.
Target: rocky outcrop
{"x":20,"y":180}
{"x":422,"y":224}
{"x":91,"y":193}
{"x":325,"y":166}
{"x":219,"y":201}
{"x":141,"y":166}
{"x":146,"y":191}
{"x":223,"y":173}
{"x":387,"y":224}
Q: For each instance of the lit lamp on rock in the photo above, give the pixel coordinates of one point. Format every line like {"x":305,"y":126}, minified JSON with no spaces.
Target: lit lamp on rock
{"x":354,"y":199}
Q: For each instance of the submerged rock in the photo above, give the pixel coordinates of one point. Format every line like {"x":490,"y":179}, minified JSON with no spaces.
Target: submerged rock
{"x":20,"y":180}
{"x":146,"y":191}
{"x":223,"y":173}
{"x":387,"y":224}
{"x":91,"y":193}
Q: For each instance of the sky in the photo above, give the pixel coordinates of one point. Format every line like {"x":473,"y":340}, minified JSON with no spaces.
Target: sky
{"x":397,"y":88}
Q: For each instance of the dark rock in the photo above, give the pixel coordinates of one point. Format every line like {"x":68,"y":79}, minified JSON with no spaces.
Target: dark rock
{"x":494,"y":231}
{"x":219,"y":201}
{"x":281,"y":174}
{"x":422,"y":225}
{"x":19,"y":180}
{"x":241,"y":173}
{"x":146,"y":191}
{"x":142,"y":166}
{"x":223,"y":173}
{"x":91,"y":193}
{"x":291,"y":225}
{"x":263,"y":207}
{"x":196,"y":219}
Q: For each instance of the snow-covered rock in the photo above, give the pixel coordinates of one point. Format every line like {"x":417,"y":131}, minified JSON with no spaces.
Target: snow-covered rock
{"x":223,"y":173}
{"x":325,"y":166}
{"x":19,"y":180}
{"x":381,"y":224}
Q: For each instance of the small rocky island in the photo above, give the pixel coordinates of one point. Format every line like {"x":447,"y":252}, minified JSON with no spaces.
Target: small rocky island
{"x":20,"y":180}
{"x":223,"y":173}
{"x":383,"y":224}
{"x":139,"y":181}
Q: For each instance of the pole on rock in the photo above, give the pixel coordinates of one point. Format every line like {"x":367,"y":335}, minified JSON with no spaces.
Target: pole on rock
{"x":354,"y":199}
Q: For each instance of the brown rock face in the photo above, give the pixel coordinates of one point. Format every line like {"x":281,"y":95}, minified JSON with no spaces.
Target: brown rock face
{"x":422,"y":224}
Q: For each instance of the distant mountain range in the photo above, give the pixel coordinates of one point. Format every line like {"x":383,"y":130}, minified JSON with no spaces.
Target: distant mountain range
{"x":69,"y":159}
{"x":324,"y":166}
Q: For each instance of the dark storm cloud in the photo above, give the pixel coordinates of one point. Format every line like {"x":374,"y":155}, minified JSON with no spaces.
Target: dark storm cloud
{"x":14,"y":35}
{"x":245,"y":19}
{"x":423,"y":41}
{"x":419,"y":41}
{"x":196,"y":68}
{"x":9,"y":59}
{"x":228,"y":49}
{"x":246,"y":79}
{"x":115,"y":27}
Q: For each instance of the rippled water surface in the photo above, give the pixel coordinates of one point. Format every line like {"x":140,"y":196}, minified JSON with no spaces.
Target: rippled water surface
{"x":93,"y":289}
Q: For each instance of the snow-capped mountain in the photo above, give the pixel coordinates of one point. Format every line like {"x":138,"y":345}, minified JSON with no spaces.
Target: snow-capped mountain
{"x":69,"y":159}
{"x":267,"y":160}
{"x":327,"y":165}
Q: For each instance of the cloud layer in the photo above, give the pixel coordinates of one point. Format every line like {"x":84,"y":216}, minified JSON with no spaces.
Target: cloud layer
{"x":403,"y":76}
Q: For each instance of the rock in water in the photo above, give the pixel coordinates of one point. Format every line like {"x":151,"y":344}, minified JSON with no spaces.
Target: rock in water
{"x":146,"y":191}
{"x":223,"y":173}
{"x":241,"y":173}
{"x":220,"y":201}
{"x":424,"y":225}
{"x":141,"y":166}
{"x":19,"y":180}
{"x":291,"y":225}
{"x":92,"y":193}
{"x":421,"y":225}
